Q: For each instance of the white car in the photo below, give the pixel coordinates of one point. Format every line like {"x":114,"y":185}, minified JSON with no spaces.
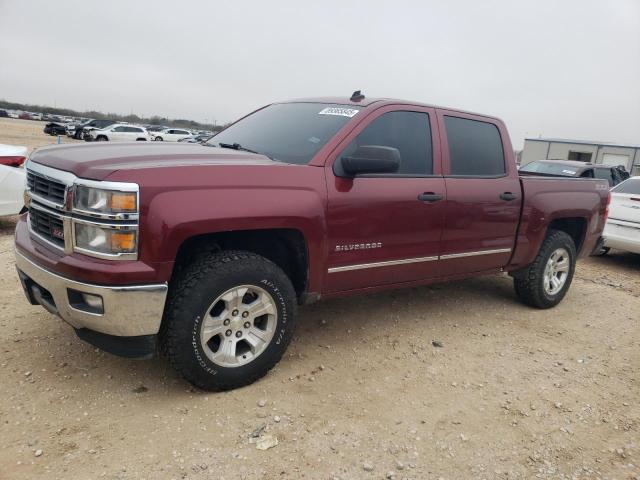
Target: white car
{"x":120,"y":133}
{"x":12,"y":179}
{"x":171,"y":135}
{"x":622,"y":230}
{"x":12,"y":183}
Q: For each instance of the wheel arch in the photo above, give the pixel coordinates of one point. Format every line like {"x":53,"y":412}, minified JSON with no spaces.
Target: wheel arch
{"x":286,"y":247}
{"x":575,"y":227}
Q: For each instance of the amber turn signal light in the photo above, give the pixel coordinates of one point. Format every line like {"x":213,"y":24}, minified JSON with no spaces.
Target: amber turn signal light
{"x":123,"y":241}
{"x":123,"y":201}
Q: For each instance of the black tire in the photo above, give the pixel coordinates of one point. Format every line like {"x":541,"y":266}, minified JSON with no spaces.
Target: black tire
{"x":157,"y":139}
{"x":101,"y":138}
{"x":197,"y":285}
{"x":141,"y":139}
{"x":529,"y":283}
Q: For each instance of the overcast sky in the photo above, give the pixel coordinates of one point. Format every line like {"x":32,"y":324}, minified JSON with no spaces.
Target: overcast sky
{"x":553,"y":68}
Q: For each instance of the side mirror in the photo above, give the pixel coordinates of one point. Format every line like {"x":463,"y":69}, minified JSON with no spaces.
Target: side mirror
{"x":369,"y":159}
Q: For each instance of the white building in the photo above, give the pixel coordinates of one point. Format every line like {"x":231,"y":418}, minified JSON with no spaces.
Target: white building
{"x":595,"y":152}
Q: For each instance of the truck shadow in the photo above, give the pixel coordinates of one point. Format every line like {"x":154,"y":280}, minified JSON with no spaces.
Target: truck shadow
{"x":342,"y":323}
{"x":403,"y":307}
{"x":619,"y":259}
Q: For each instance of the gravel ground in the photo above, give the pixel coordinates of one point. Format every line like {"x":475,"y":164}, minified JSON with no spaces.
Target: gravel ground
{"x":363,"y":393}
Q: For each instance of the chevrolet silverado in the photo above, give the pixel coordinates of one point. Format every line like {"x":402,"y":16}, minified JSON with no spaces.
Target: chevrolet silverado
{"x":203,"y":252}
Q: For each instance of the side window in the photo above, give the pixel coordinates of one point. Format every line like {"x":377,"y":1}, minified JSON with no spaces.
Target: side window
{"x":475,"y":148}
{"x":409,"y":132}
{"x":120,"y":129}
{"x":604,"y":174}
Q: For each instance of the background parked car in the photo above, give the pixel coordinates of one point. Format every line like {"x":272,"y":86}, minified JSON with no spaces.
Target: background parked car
{"x":3,"y":113}
{"x":74,"y":129}
{"x":570,"y":168}
{"x":154,"y":128}
{"x":55,"y":128}
{"x":171,"y":135}
{"x":196,"y":139}
{"x":92,"y":125}
{"x":120,"y":133}
{"x":12,"y":179}
{"x":12,"y":182}
{"x":622,"y":230}
{"x":12,"y":155}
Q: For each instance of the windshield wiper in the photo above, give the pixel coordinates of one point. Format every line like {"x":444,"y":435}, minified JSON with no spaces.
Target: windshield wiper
{"x":237,"y":146}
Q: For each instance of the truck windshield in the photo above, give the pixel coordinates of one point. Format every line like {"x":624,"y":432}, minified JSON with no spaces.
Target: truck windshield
{"x":550,"y":169}
{"x":288,"y":132}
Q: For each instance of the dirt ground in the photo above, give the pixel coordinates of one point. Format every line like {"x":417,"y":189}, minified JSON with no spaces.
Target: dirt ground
{"x":512,"y":393}
{"x":28,"y":133}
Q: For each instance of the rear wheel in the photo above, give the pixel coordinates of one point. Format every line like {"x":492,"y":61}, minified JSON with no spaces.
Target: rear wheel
{"x":545,"y":282}
{"x":158,"y":139}
{"x":229,"y":319}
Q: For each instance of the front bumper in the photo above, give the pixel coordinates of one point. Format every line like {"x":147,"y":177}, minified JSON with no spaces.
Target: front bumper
{"x":127,"y":311}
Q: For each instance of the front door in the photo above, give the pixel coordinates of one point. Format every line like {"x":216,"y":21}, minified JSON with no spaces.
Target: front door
{"x":483,"y":194}
{"x":386,"y":228}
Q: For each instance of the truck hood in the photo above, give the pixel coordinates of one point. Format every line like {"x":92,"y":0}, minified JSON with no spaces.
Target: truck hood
{"x":98,"y":161}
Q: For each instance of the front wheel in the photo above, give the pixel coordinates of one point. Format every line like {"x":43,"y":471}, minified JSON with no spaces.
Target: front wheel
{"x":545,"y":282}
{"x":158,"y":139}
{"x":229,"y":319}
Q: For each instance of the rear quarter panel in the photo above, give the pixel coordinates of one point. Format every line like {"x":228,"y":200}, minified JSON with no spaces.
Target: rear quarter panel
{"x":548,"y":199}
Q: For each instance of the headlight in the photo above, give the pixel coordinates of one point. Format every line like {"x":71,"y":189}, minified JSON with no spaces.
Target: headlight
{"x":105,"y":240}
{"x":105,"y":219}
{"x":104,"y":201}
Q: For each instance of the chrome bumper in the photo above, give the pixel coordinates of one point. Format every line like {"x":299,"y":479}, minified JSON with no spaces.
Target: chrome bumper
{"x":127,"y":310}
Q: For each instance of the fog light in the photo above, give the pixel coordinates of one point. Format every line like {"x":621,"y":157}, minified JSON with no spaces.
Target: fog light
{"x":94,"y":301}
{"x":85,"y":302}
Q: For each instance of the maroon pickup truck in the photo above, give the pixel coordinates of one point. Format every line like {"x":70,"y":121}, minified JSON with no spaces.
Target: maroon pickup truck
{"x":203,"y":252}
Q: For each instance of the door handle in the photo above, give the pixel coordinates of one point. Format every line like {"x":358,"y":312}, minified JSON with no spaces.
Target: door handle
{"x":430,"y":197}
{"x":508,"y":196}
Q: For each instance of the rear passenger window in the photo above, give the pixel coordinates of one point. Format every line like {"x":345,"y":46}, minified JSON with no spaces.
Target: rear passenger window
{"x":475,"y":148}
{"x":605,"y":174}
{"x":409,"y":132}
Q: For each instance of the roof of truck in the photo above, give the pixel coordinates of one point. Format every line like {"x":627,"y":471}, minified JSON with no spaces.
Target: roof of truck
{"x":368,"y":101}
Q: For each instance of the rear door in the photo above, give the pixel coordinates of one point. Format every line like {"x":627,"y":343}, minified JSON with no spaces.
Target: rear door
{"x":386,"y":228}
{"x":133,"y":133}
{"x":483,"y":193}
{"x":180,"y":134}
{"x":119,"y":134}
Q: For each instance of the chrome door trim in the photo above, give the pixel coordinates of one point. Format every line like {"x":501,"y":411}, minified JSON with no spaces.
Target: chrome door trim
{"x":472,"y":254}
{"x":388,"y":263}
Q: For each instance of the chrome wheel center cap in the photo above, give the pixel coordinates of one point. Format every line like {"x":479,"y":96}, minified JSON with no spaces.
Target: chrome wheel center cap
{"x":236,"y":323}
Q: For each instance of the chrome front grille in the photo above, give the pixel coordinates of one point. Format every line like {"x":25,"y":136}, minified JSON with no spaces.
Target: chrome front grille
{"x":46,"y":188}
{"x":47,"y":225}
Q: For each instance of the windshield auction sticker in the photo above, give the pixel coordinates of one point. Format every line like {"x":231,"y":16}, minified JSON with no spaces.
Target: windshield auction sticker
{"x":343,"y":112}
